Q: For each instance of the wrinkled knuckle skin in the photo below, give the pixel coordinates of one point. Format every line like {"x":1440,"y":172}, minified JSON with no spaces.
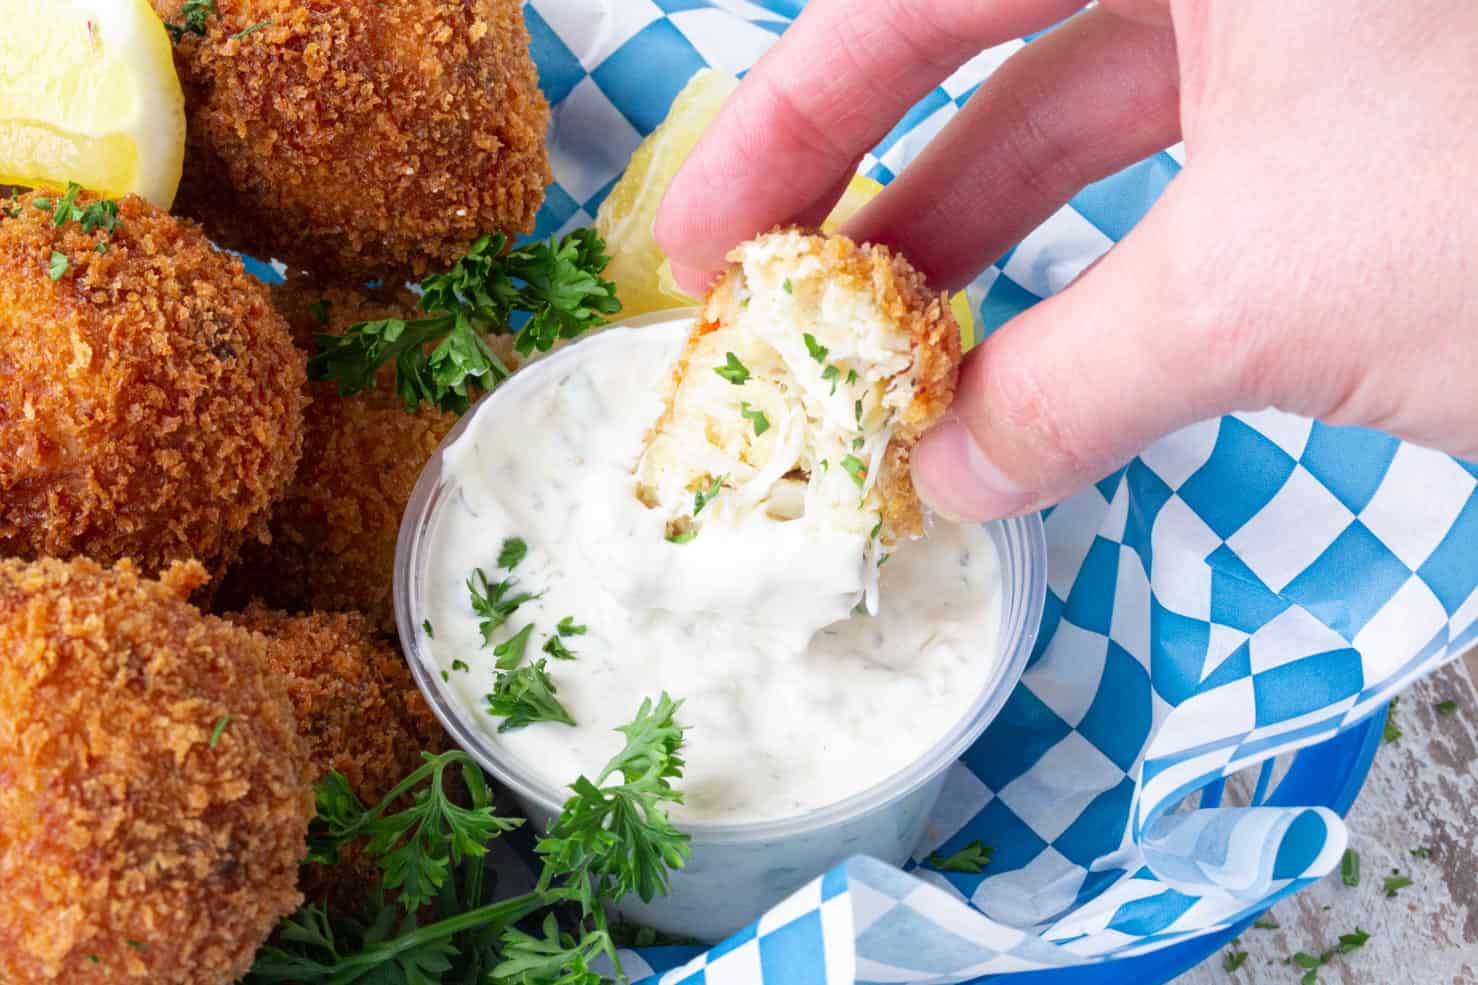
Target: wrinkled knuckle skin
{"x":1042,"y":449}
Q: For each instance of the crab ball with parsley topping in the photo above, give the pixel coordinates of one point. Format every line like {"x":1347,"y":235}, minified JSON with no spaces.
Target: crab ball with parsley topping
{"x":154,"y":793}
{"x":150,"y":398}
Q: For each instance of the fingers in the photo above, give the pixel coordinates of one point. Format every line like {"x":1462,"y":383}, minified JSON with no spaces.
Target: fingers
{"x":1092,"y":97}
{"x":1075,"y":386}
{"x":833,"y":86}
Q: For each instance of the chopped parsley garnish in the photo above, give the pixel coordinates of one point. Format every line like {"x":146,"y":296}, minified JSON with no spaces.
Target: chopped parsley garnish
{"x":192,"y":19}
{"x":825,"y":465}
{"x":524,"y":696}
{"x":1349,"y":868}
{"x":851,"y":376}
{"x":733,"y":370}
{"x":972,"y":859}
{"x":137,"y":945}
{"x":510,"y":652}
{"x":461,"y":665}
{"x":567,"y":627}
{"x":703,"y":497}
{"x":252,"y":29}
{"x":883,"y":560}
{"x":514,"y":550}
{"x":556,"y":283}
{"x":816,"y":349}
{"x":683,"y":536}
{"x":877,"y":528}
{"x":58,"y":266}
{"x":1394,"y":883}
{"x":831,"y":374}
{"x":1311,"y":963}
{"x":857,"y":409}
{"x":1447,"y":707}
{"x":494,"y":601}
{"x":855,"y":469}
{"x":1421,"y":851}
{"x":441,"y":919}
{"x":1391,"y":732}
{"x":1267,"y":922}
{"x":756,"y":417}
{"x":1233,"y":959}
{"x":786,"y":286}
{"x":426,"y":628}
{"x":219,"y":730}
{"x":556,"y":648}
{"x":857,"y":443}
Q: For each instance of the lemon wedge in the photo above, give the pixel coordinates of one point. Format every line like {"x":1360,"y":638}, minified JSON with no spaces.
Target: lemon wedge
{"x":88,"y":93}
{"x":641,"y":272}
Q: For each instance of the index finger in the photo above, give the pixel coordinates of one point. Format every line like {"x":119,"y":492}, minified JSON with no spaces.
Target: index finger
{"x":832,"y":87}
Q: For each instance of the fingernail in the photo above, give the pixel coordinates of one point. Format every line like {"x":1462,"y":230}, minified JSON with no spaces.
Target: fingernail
{"x":955,"y":479}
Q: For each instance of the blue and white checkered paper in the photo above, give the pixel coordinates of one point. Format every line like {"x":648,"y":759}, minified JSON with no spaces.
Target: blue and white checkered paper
{"x":1244,"y":588}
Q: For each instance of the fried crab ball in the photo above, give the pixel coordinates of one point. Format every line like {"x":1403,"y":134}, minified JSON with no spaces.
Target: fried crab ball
{"x":360,"y":140}
{"x":357,"y":707}
{"x":359,"y":713}
{"x":150,"y":398}
{"x":333,"y":533}
{"x":813,"y":369}
{"x":155,"y":796}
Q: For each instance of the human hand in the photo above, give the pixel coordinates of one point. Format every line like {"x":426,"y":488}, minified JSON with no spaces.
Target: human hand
{"x":1318,"y":253}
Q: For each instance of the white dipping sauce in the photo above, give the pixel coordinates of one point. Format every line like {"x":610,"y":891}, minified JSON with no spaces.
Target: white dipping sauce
{"x":782,"y":718}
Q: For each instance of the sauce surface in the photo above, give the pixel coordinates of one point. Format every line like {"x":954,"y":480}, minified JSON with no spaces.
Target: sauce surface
{"x":789,"y":709}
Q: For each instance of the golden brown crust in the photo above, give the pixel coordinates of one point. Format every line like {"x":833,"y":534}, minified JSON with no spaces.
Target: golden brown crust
{"x":150,"y":399}
{"x":361,"y":140}
{"x":334,"y":531}
{"x":131,"y":849}
{"x":357,"y":707}
{"x":359,"y":712}
{"x":906,"y":300}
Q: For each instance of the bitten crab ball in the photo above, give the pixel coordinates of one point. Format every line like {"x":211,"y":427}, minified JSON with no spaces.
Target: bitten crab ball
{"x":150,"y":398}
{"x":360,"y":140}
{"x":333,"y":534}
{"x":154,"y":794}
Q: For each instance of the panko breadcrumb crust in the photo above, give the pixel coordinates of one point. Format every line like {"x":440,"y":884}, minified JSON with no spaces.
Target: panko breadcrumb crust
{"x":357,"y":707}
{"x":150,"y":398}
{"x":361,"y":140}
{"x":133,"y":848}
{"x":333,"y":533}
{"x":905,"y":299}
{"x":359,"y":712}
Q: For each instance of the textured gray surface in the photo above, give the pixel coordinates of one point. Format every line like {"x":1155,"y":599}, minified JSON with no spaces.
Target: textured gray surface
{"x":1422,"y":792}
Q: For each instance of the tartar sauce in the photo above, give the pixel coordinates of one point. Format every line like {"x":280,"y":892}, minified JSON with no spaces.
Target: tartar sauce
{"x":787,"y":711}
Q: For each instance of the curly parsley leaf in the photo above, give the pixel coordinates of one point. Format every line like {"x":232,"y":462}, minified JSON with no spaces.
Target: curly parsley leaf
{"x":972,"y":859}
{"x":607,"y":837}
{"x":557,"y":284}
{"x":524,"y":696}
{"x":514,"y":551}
{"x":193,"y":16}
{"x":496,"y":602}
{"x":568,"y":627}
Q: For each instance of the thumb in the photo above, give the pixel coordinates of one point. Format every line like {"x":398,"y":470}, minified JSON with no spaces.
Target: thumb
{"x":1075,"y":386}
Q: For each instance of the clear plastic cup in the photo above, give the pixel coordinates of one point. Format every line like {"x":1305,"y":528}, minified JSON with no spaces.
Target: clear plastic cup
{"x":739,"y":869}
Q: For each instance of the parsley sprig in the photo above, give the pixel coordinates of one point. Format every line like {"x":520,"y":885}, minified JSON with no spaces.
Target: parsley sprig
{"x":193,"y":16}
{"x":556,"y":283}
{"x":971,"y":860}
{"x":612,"y":837}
